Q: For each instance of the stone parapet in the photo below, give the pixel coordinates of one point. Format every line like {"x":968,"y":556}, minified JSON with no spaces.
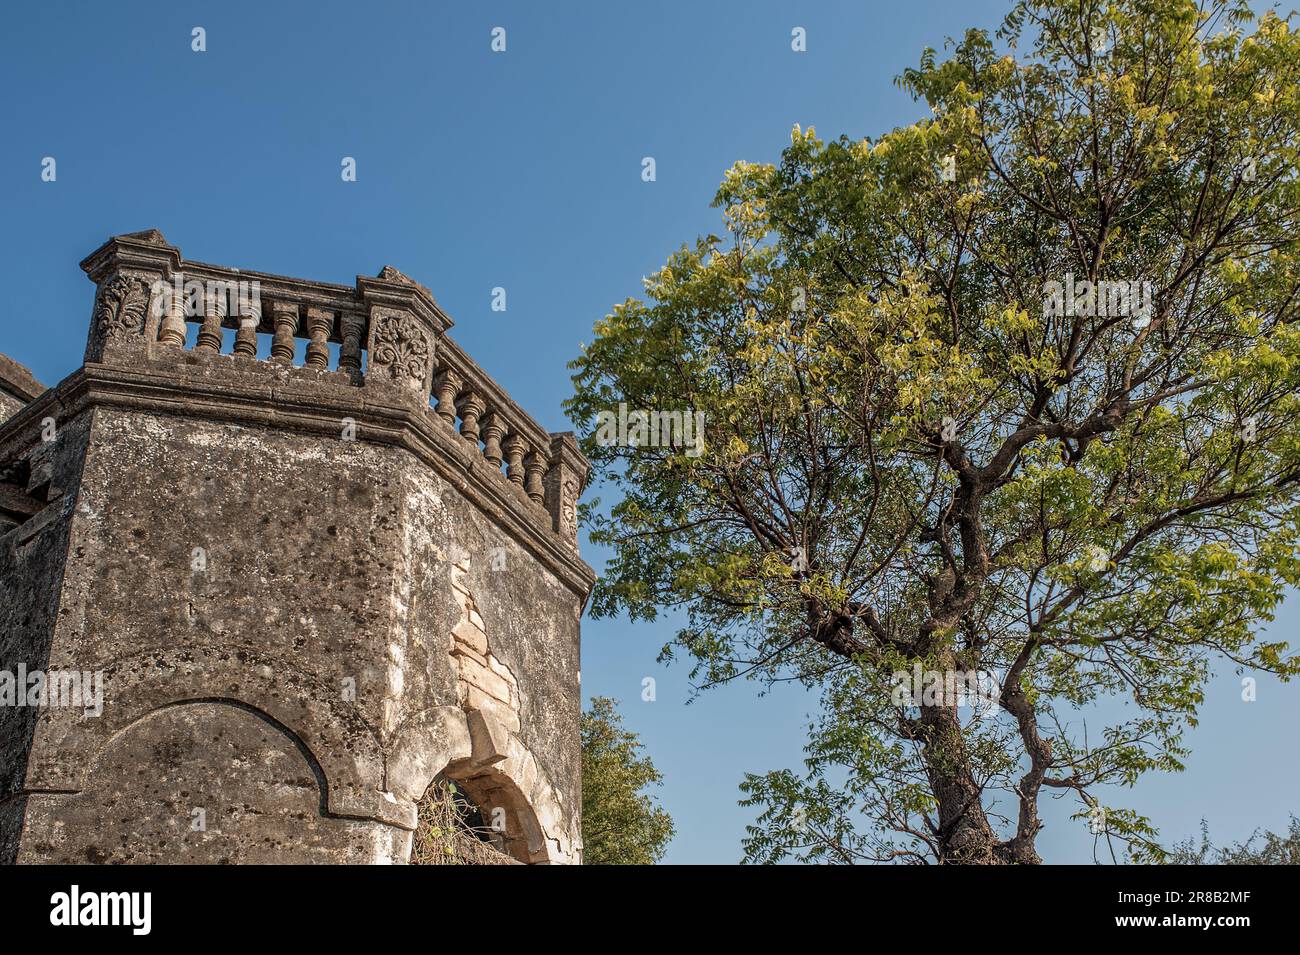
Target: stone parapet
{"x":377,"y":353}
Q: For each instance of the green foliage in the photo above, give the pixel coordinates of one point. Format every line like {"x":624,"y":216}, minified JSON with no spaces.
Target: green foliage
{"x":1086,"y":503}
{"x":1274,"y":850}
{"x":621,"y":824}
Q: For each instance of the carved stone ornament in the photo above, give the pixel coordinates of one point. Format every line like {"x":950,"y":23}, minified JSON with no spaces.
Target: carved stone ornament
{"x":123,"y":303}
{"x":401,"y":346}
{"x":568,"y":510}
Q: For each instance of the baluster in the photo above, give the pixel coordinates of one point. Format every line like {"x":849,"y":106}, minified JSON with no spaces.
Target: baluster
{"x":214,"y":311}
{"x":285,"y":316}
{"x":493,"y":428}
{"x":173,"y":324}
{"x":534,"y":467}
{"x":515,"y":447}
{"x":319,"y":323}
{"x":246,"y":336}
{"x":470,"y":406}
{"x":350,"y":350}
{"x":445,"y":387}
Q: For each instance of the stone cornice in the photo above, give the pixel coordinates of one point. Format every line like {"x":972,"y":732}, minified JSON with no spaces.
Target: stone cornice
{"x":393,"y":289}
{"x":239,"y":391}
{"x":147,"y":251}
{"x":17,"y":381}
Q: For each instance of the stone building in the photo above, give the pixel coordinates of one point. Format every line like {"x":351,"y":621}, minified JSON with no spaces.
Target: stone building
{"x":279,"y":581}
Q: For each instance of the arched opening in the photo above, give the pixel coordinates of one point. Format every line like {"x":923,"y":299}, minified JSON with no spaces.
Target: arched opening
{"x":476,"y":817}
{"x":452,"y":829}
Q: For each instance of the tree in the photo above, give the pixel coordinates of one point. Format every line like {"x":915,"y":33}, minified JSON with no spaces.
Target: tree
{"x":1276,"y":850}
{"x":1009,"y":393}
{"x":621,"y":824}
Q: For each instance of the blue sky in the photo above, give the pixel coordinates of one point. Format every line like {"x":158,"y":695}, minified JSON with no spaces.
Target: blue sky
{"x":520,"y":170}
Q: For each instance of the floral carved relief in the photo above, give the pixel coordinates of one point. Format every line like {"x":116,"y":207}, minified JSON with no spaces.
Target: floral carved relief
{"x":400,"y":346}
{"x":568,"y":510}
{"x":122,"y":306}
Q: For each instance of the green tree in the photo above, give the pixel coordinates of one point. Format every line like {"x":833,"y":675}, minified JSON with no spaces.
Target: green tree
{"x":621,"y":824}
{"x":1011,"y":390}
{"x":1275,"y":850}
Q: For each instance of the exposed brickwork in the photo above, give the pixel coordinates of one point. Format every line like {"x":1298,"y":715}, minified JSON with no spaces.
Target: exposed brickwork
{"x":485,"y":682}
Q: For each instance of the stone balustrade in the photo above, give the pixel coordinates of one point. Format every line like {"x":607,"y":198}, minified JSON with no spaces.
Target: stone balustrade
{"x":386,"y":333}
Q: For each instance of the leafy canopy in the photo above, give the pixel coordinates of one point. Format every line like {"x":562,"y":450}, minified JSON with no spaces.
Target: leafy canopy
{"x":1275,"y":849}
{"x":621,"y":824}
{"x":918,"y":454}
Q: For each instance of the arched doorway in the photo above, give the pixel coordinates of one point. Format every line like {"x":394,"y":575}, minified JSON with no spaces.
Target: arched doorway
{"x":476,"y":817}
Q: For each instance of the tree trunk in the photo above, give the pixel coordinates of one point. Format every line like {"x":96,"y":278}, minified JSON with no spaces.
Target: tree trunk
{"x":965,"y":835}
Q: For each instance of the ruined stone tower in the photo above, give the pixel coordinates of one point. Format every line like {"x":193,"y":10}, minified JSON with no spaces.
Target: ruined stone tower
{"x":307,"y":588}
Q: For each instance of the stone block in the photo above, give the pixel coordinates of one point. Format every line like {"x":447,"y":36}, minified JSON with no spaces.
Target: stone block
{"x":469,"y":653}
{"x":489,"y":739}
{"x":487,"y":681}
{"x":472,"y":636}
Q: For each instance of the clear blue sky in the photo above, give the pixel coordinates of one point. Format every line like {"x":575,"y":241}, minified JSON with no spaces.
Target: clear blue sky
{"x":478,"y":170}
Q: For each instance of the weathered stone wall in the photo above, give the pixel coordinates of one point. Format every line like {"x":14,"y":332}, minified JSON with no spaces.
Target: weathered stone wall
{"x":307,"y":598}
{"x":306,"y":583}
{"x":524,"y":623}
{"x":32,"y":559}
